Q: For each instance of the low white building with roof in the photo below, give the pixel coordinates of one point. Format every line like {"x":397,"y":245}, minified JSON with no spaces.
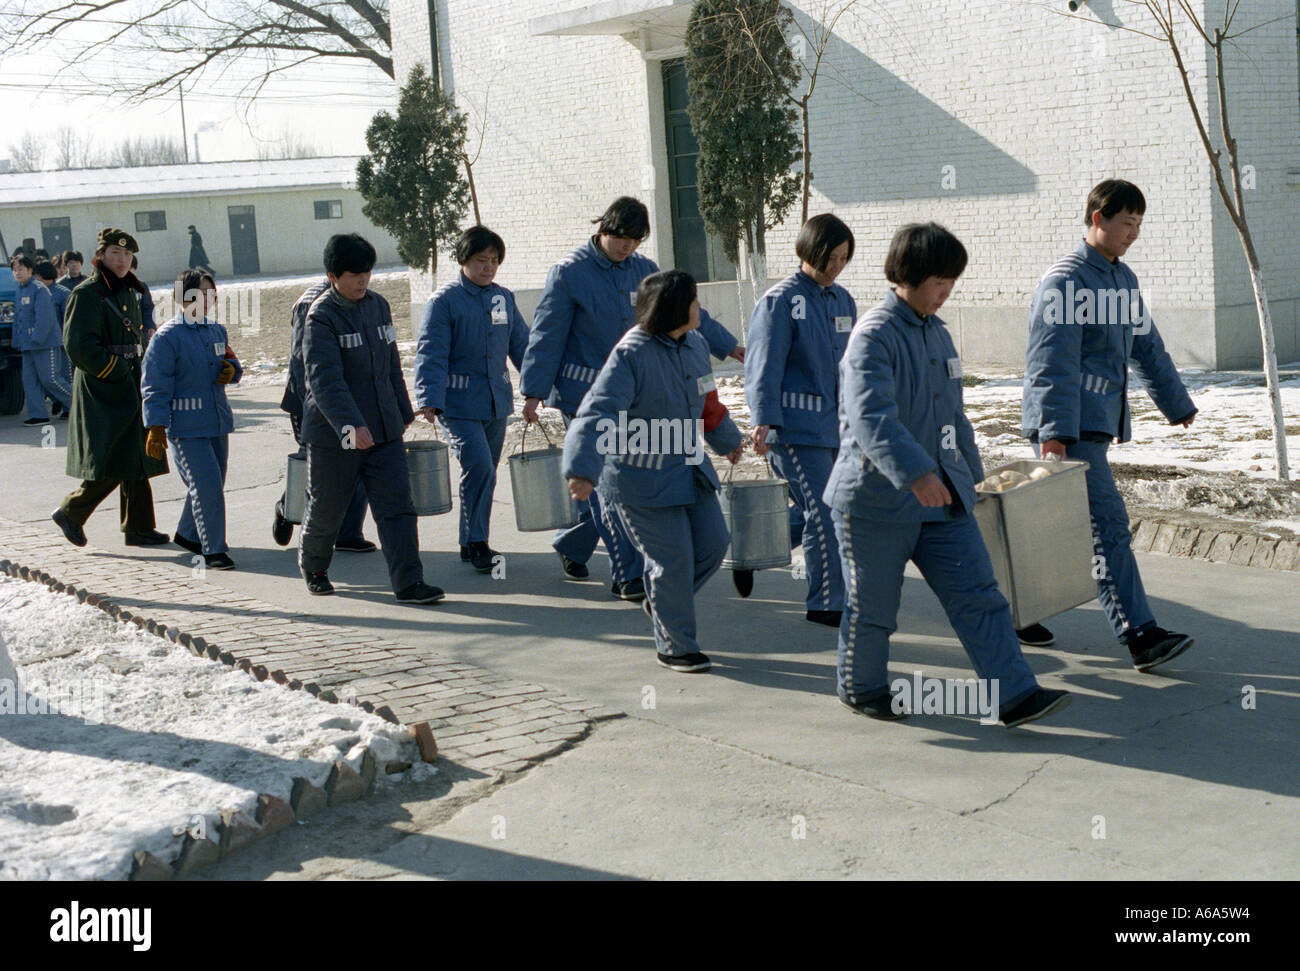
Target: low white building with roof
{"x":255,"y":217}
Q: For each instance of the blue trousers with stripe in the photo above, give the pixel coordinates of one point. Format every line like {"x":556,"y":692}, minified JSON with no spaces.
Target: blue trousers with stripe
{"x":806,"y":468}
{"x":682,"y":546}
{"x":43,"y":376}
{"x":1119,"y":589}
{"x":955,"y":563}
{"x":599,"y":523}
{"x":477,"y":447}
{"x":201,"y":464}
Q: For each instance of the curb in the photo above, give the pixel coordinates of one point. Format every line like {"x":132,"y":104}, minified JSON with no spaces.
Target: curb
{"x":1234,"y":547}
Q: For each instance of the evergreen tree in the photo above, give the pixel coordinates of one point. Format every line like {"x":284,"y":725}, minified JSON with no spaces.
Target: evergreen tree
{"x":411,"y":180}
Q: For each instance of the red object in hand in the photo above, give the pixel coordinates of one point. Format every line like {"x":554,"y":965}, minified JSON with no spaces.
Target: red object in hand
{"x":230,"y":353}
{"x":714,"y":411}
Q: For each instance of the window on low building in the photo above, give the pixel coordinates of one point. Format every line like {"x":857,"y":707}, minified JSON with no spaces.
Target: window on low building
{"x":329,"y":209}
{"x":146,"y":222}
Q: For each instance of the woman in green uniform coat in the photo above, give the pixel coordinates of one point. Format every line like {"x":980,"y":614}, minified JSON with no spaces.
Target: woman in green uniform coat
{"x":105,"y":341}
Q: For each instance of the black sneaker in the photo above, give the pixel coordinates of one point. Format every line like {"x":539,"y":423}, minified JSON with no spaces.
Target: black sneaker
{"x":36,"y":421}
{"x":1035,"y":635}
{"x":71,"y":531}
{"x":1038,"y":705}
{"x":56,"y":410}
{"x":219,"y":561}
{"x":150,"y":537}
{"x":880,"y":707}
{"x":420,"y":593}
{"x":831,"y":618}
{"x":187,"y":544}
{"x":361,"y":545}
{"x":1154,"y":646}
{"x":633,"y":591}
{"x":572,"y":570}
{"x":318,"y":584}
{"x":464,"y":554}
{"x":744,"y":581}
{"x":281,"y":529}
{"x":685,"y":663}
{"x":480,"y":557}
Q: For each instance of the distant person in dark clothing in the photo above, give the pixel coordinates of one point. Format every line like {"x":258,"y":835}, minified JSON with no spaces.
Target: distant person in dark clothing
{"x":146,"y":304}
{"x":198,"y":255}
{"x":72,"y":275}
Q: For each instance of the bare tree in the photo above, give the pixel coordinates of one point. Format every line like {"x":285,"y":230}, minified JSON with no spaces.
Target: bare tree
{"x":73,"y":148}
{"x":146,"y":150}
{"x":289,"y":143}
{"x":1168,"y":16}
{"x":188,"y":39}
{"x":28,"y":154}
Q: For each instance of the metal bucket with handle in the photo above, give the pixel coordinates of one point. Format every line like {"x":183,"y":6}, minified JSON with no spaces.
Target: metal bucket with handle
{"x":757,"y":514}
{"x":295,"y":488}
{"x":429,"y":466}
{"x":541,"y":495}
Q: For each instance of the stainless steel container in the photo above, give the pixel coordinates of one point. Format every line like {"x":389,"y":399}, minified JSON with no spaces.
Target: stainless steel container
{"x":429,"y":466}
{"x":1039,"y":537}
{"x":756,"y":511}
{"x":295,"y":489}
{"x":541,"y":495}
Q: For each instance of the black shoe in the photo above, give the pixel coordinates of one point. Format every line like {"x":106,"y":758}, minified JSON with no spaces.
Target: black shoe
{"x":633,"y":591}
{"x":1154,"y":646}
{"x":744,"y":581}
{"x":36,"y":421}
{"x":281,"y":529}
{"x":1035,"y":635}
{"x":149,"y":537}
{"x":831,"y":618}
{"x":56,"y":410}
{"x":880,"y":707}
{"x":420,"y":593}
{"x":361,"y":545}
{"x":572,"y":570}
{"x":74,"y":533}
{"x":219,"y":561}
{"x":685,"y":663}
{"x":318,"y":584}
{"x":187,"y":544}
{"x":480,"y":557}
{"x":67,"y":413}
{"x":464,"y":554}
{"x":1038,"y":705}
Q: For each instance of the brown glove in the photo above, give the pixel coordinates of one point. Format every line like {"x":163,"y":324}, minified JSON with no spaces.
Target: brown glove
{"x":155,"y":443}
{"x":227,"y":372}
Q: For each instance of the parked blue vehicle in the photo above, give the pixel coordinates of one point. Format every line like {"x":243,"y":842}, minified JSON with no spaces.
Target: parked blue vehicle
{"x":11,"y":361}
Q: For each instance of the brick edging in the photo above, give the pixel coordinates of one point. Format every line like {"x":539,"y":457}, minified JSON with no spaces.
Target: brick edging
{"x":1152,"y":535}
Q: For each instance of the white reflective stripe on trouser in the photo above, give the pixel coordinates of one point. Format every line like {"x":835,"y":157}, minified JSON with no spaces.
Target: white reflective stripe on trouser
{"x":648,"y":578}
{"x":192,"y":486}
{"x":56,"y":375}
{"x":813,"y":513}
{"x":1107,"y":578}
{"x":850,"y":642}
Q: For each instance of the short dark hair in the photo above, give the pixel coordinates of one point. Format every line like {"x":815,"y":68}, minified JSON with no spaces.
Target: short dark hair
{"x":1111,"y":197}
{"x":42,"y":254}
{"x":919,"y":251}
{"x":625,"y":217}
{"x":663,"y":301}
{"x":349,"y":253}
{"x":475,"y":240}
{"x":23,"y":260}
{"x":190,"y":281}
{"x":72,"y":254}
{"x":45,"y":270}
{"x":819,"y":237}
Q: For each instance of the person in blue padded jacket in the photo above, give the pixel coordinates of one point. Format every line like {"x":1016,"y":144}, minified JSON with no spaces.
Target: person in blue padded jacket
{"x":587,"y":305}
{"x":1087,"y":323}
{"x":903,"y":488}
{"x":182,"y":388}
{"x":639,"y":438}
{"x":38,"y":334}
{"x":469,"y":328}
{"x":797,"y":336}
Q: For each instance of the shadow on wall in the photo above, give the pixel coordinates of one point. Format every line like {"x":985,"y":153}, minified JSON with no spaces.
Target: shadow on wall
{"x":927,"y":152}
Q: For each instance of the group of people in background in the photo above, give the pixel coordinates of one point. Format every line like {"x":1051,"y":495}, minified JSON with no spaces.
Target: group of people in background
{"x":43,"y":287}
{"x":861,"y":415}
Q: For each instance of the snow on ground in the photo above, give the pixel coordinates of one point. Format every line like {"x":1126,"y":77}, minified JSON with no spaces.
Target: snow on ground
{"x":131,"y":758}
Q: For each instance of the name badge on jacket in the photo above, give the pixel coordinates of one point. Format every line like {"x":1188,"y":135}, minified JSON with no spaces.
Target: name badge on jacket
{"x":632,"y":296}
{"x":954,"y":367}
{"x":498,"y":316}
{"x":219,"y":349}
{"x":388,"y":333}
{"x":705,"y":383}
{"x":843,"y":325}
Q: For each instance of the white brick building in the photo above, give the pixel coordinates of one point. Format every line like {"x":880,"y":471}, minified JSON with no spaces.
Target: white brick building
{"x":993,"y":117}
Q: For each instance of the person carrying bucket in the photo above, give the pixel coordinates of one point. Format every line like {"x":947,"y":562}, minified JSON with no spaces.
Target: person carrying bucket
{"x":797,"y":335}
{"x":183,"y":382}
{"x":353,"y":419}
{"x":587,"y":305}
{"x":639,"y":438}
{"x":469,"y":328}
{"x":903,"y":488}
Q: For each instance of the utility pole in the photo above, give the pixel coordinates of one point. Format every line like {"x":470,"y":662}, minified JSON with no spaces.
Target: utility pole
{"x":185,"y":138}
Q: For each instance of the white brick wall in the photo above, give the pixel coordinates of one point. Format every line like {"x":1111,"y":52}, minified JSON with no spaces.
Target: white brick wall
{"x":1029,"y":108}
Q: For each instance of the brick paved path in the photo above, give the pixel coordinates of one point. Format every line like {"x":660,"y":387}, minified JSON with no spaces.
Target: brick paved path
{"x":481,"y":720}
